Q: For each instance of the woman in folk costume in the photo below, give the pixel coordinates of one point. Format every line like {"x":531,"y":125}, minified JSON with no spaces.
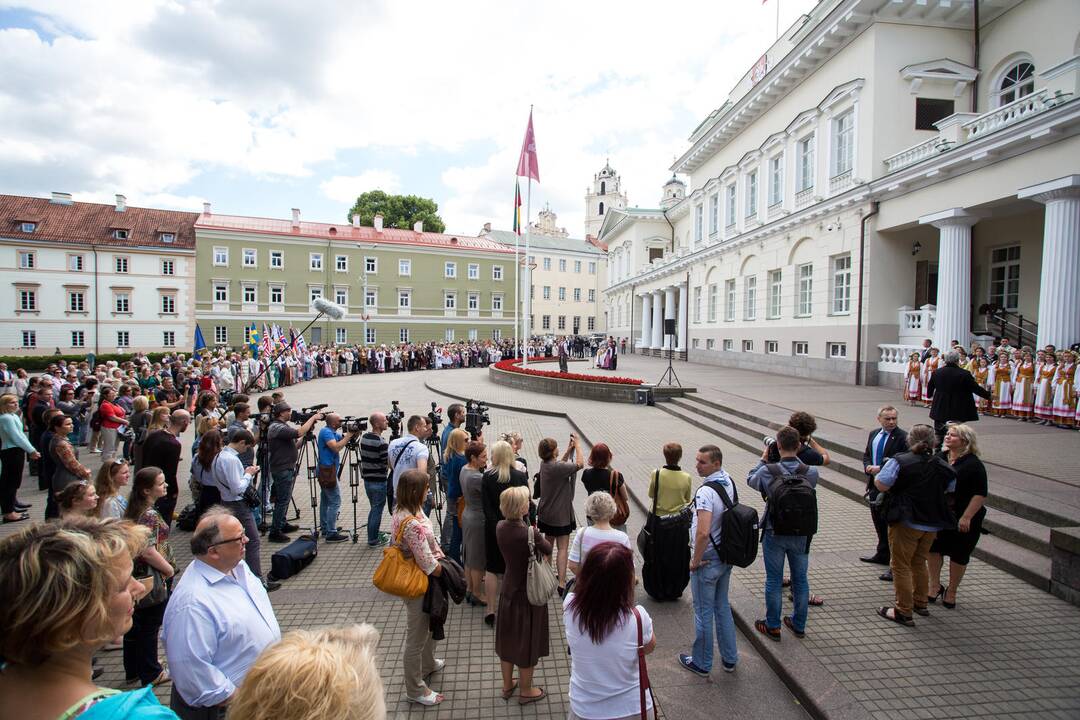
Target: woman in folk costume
{"x":1065,"y":391}
{"x":1044,"y":390}
{"x":928,"y":369}
{"x":912,"y":388}
{"x":1023,"y":399}
{"x":1001,"y":385}
{"x":981,"y":373}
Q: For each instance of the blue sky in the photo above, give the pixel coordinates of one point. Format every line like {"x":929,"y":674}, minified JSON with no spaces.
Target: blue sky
{"x":259,"y":106}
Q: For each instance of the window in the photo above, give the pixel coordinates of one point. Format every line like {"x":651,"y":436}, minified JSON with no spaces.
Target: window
{"x":751,"y":195}
{"x":221,"y":256}
{"x":341,"y":296}
{"x":27,"y":260}
{"x":592,"y":268}
{"x":750,"y":306}
{"x":315,"y":261}
{"x":800,"y":348}
{"x":221,"y":292}
{"x":369,"y":336}
{"x":120,"y":264}
{"x":168,"y":267}
{"x":806,"y":289}
{"x":404,"y":299}
{"x":775,"y":289}
{"x":341,"y":264}
{"x":1005,"y":277}
{"x":729,"y":300}
{"x":590,"y":322}
{"x":843,"y":143}
{"x":592,"y":295}
{"x":577,"y":294}
{"x":699,"y":222}
{"x":841,"y":294}
{"x":710,"y":344}
{"x":221,"y":335}
{"x":371,"y":264}
{"x":249,"y":258}
{"x":168,"y":338}
{"x":837,"y":350}
{"x":577,"y":266}
{"x":29,"y":338}
{"x":450,"y":270}
{"x":121,"y":234}
{"x":450,"y":301}
{"x":697,"y":304}
{"x":714,"y":297}
{"x":772,"y":347}
{"x":496,"y":334}
{"x":714,"y":213}
{"x":371,"y":298}
{"x":547,"y":263}
{"x":449,"y":335}
{"x":562,"y":264}
{"x":497,"y":273}
{"x":930,"y":110}
{"x":729,"y":211}
{"x":403,"y":335}
{"x":277,"y":260}
{"x":474,"y":301}
{"x":748,"y":346}
{"x":562,"y":293}
{"x":341,"y":335}
{"x":545,"y":322}
{"x":496,"y":301}
{"x":776,"y":180}
{"x":1018,"y":81}
{"x":76,"y":301}
{"x":168,"y":237}
{"x":277,"y":295}
{"x":123,"y":339}
{"x":474,"y":271}
{"x":805,"y":170}
{"x":122,"y":302}
{"x":729,"y":345}
{"x":28,"y":300}
{"x":562,"y":322}
{"x":314,"y":293}
{"x":404,"y":267}
{"x":78,"y":339}
{"x":168,"y":303}
{"x":28,"y":227}
{"x":547,"y":292}
{"x":75,"y":263}
{"x":576,"y":324}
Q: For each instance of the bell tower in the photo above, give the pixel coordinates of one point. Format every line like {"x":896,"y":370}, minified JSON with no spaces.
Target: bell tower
{"x":606,"y":194}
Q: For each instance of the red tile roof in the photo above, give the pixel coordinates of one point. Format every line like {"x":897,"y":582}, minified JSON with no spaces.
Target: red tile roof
{"x":345,"y":232}
{"x":81,"y":223}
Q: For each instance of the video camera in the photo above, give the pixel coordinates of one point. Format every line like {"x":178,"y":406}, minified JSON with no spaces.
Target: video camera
{"x":302,"y":415}
{"x":225,"y":397}
{"x":393,"y":420}
{"x":354,"y":424}
{"x":476,"y":417}
{"x":435,"y":418}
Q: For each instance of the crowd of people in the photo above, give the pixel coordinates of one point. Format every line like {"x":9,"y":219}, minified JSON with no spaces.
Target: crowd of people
{"x":1039,"y":386}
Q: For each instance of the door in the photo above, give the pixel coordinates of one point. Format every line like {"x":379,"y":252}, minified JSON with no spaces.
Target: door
{"x":316,"y":336}
{"x":926,"y":283}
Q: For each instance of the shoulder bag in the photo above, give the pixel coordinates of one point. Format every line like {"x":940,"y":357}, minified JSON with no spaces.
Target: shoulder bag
{"x":643,"y":671}
{"x":156,"y":590}
{"x":397,"y":574}
{"x":645,"y":535}
{"x":327,"y":477}
{"x":540,"y":584}
{"x":622,"y":507}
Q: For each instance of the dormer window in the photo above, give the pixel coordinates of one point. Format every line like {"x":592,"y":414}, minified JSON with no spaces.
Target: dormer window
{"x":168,"y":237}
{"x":28,"y":227}
{"x":120,"y":234}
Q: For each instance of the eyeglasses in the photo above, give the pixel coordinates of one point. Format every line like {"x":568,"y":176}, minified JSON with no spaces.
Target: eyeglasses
{"x":232,"y":540}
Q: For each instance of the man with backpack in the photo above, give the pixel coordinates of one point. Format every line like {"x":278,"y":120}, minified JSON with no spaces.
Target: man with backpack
{"x":789,"y":488}
{"x":709,"y":575}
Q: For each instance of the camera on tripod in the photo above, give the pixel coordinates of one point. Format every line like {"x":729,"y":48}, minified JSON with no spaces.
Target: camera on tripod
{"x":435,"y":418}
{"x":225,"y":398}
{"x":393,"y":420}
{"x":302,"y":415}
{"x":476,"y":417}
{"x":354,"y":424}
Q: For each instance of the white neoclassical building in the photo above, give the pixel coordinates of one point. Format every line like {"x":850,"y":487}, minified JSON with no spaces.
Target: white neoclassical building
{"x":882,"y":175}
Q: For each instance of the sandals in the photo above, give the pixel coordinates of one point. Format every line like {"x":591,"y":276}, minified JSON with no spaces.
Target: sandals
{"x":507,"y":693}
{"x":921,"y":611}
{"x":940,"y":593}
{"x":764,"y":629}
{"x":791,"y":626}
{"x":890,"y":613}
{"x":814,"y":600}
{"x":432,"y":698}
{"x":439,"y":665}
{"x":526,"y":699}
{"x":162,"y":678}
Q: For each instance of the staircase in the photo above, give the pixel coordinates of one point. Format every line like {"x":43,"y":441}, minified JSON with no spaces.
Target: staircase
{"x":1000,"y":323}
{"x":1019,"y":523}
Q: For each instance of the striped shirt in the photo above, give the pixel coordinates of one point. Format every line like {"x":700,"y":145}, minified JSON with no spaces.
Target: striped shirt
{"x":373,"y":458}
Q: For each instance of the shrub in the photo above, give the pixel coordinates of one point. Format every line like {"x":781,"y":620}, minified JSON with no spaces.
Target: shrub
{"x":512,"y":366}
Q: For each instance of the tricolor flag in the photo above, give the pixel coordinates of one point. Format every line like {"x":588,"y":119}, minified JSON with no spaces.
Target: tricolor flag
{"x":253,"y":339}
{"x":527,"y":163}
{"x":517,"y":206}
{"x":300,"y":344}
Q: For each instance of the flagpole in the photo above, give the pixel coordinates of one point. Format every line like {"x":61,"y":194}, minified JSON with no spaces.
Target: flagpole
{"x":528,"y":274}
{"x":517,"y":290}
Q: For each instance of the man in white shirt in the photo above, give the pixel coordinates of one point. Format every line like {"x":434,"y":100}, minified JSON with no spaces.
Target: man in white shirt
{"x":232,"y":480}
{"x":217,"y":621}
{"x":410,"y":452}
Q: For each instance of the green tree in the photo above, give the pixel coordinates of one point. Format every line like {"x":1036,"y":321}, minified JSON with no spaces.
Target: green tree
{"x":398,"y":211}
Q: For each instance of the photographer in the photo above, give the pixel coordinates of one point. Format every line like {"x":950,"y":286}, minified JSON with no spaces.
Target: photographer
{"x":285,"y":441}
{"x":331,"y":442}
{"x":410,"y":452}
{"x":374,"y":468}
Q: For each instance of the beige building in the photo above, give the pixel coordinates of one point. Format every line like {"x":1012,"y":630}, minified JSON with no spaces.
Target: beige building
{"x":865,"y":187}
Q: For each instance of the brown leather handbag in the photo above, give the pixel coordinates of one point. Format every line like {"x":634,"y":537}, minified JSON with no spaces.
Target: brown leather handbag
{"x":622,"y":508}
{"x":327,"y":477}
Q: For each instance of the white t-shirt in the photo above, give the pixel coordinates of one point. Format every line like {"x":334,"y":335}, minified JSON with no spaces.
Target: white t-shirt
{"x":604,"y":677}
{"x":586,"y":541}
{"x":416,"y":450}
{"x":706,"y":499}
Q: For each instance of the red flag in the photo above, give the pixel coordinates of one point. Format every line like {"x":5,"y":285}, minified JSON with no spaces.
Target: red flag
{"x":527,"y":164}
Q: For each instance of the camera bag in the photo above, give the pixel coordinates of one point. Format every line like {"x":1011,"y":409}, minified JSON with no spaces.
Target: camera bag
{"x":293,"y":558}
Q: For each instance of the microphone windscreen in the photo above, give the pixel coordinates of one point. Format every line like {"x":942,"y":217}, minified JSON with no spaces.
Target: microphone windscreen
{"x":326,"y":307}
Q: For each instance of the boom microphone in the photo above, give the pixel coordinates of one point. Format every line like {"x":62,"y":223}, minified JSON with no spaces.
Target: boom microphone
{"x":328,"y":308}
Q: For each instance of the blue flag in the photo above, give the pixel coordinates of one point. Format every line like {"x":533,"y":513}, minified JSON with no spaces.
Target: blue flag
{"x":200,"y":343}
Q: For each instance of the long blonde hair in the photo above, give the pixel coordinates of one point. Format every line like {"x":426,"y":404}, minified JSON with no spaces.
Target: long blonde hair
{"x":456,"y":443}
{"x":502,"y":459}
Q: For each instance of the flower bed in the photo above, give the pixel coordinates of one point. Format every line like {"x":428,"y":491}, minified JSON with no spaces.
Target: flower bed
{"x":512,"y":366}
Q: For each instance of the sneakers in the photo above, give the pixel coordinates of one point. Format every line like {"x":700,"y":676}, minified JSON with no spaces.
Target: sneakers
{"x":278,"y":537}
{"x":688,"y":662}
{"x":271,"y":585}
{"x":382,"y":539}
{"x":728,"y":667}
{"x":336,"y":537}
{"x":289,"y":527}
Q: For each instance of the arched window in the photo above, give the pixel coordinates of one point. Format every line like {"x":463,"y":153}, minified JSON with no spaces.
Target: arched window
{"x":601,"y":208}
{"x":1016,"y":82}
{"x":603,"y":188}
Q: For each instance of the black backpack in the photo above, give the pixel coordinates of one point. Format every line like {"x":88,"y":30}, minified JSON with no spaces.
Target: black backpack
{"x":738,"y":529}
{"x":792,"y":501}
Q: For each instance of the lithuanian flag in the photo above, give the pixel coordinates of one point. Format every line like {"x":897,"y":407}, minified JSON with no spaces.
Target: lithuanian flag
{"x":517,"y":206}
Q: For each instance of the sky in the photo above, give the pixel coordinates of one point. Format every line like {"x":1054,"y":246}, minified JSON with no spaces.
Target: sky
{"x":260,"y":106}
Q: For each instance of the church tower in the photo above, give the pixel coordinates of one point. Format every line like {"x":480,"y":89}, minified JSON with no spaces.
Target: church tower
{"x":604,"y":196}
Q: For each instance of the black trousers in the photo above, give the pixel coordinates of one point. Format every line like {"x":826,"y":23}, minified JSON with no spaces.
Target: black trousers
{"x":13,"y":459}
{"x":187,"y":712}
{"x":243,"y":513}
{"x":880,"y":527}
{"x":141,"y":644}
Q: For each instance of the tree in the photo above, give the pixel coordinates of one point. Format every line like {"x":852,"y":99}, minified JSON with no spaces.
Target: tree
{"x":398,"y":211}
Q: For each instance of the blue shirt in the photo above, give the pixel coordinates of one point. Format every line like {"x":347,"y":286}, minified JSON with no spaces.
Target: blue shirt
{"x":452,"y":474}
{"x":444,"y":439}
{"x":760,"y":479}
{"x":890,"y":471}
{"x":326,"y":455}
{"x":215,"y":626}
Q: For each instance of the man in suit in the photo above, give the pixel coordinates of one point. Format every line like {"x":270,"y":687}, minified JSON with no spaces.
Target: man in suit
{"x":881,"y":444}
{"x":952,"y":389}
{"x":926,"y":345}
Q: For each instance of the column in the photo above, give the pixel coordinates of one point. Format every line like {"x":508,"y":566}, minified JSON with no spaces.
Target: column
{"x":680,"y":327}
{"x":1059,"y":281}
{"x":954,"y":275}
{"x":657,"y":320}
{"x":646,"y":321}
{"x":669,"y":313}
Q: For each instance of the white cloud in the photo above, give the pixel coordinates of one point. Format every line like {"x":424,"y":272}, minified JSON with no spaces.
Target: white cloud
{"x":346,"y":188}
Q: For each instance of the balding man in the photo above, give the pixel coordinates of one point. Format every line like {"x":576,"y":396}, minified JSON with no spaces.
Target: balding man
{"x":162,"y":449}
{"x":375,"y":471}
{"x":218,"y":620}
{"x":330,"y":442}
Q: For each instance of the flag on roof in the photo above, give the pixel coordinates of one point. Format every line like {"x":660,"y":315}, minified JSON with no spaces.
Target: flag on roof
{"x":527,"y":163}
{"x":517,"y":206}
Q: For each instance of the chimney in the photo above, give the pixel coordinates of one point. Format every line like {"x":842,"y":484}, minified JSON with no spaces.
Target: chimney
{"x":121,"y":203}
{"x":418,"y":226}
{"x":378,"y":222}
{"x":206,"y":208}
{"x":296,"y":218}
{"x":60,"y":198}
{"x":487,"y":228}
{"x":356,"y":220}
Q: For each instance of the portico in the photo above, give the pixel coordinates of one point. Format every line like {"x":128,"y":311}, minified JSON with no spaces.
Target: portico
{"x":667,"y":302}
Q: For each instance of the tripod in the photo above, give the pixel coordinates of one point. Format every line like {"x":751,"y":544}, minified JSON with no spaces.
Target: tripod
{"x":351,"y":457}
{"x":304,"y":460}
{"x":672,"y":378}
{"x":438,"y":490}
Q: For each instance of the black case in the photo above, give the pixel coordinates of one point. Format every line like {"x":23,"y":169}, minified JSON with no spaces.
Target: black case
{"x":293,"y":558}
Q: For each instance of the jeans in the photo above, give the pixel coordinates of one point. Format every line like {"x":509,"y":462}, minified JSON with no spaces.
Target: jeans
{"x":453,"y":549}
{"x":709,"y":585}
{"x":774,"y":549}
{"x":243,"y":513}
{"x":283,"y":489}
{"x":141,"y":644}
{"x":376,"y":495}
{"x":329,"y":506}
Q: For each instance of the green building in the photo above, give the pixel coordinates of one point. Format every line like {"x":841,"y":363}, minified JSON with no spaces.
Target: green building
{"x":398,"y":286}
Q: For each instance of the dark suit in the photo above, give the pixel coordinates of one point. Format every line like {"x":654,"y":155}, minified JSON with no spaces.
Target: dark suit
{"x":896,"y":443}
{"x":951,"y":388}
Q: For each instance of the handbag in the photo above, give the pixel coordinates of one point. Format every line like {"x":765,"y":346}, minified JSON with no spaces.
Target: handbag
{"x":397,"y":574}
{"x":540,"y":584}
{"x":327,"y":477}
{"x":645,"y":535}
{"x":643,"y":672}
{"x":157,"y":590}
{"x":622,"y":508}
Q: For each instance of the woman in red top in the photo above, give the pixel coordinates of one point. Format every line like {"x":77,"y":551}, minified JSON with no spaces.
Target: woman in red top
{"x":112,"y":417}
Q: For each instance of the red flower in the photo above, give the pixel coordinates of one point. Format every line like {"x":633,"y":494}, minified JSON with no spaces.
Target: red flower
{"x":511,"y":365}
